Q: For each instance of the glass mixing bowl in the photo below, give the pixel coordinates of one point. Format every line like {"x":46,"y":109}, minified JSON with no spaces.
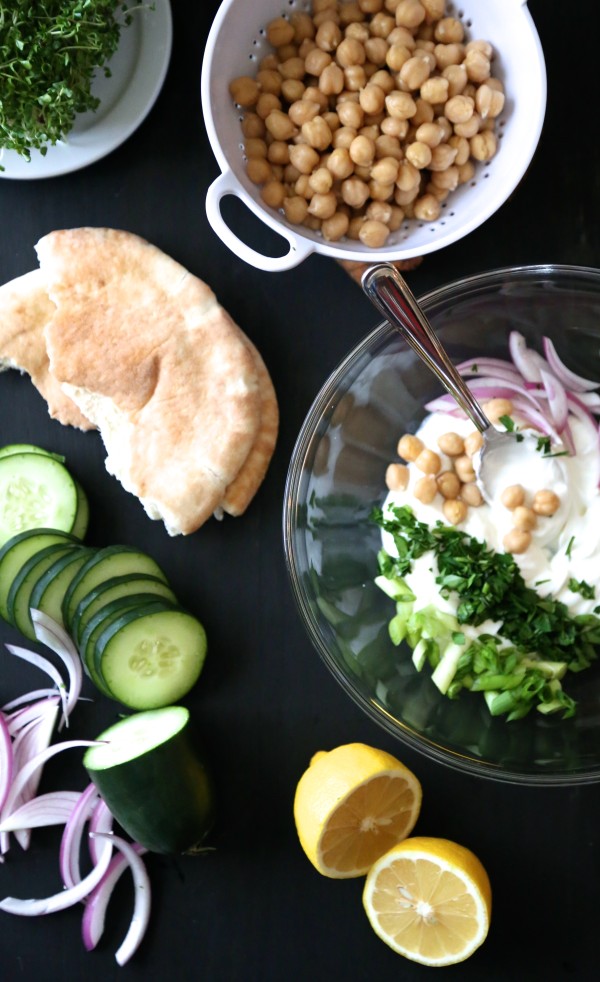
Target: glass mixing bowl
{"x":336,"y":478}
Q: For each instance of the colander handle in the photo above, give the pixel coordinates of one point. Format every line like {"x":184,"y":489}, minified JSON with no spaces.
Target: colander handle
{"x":226,"y":184}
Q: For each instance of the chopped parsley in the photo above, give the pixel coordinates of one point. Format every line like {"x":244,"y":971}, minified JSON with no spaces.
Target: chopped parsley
{"x":587,"y":591}
{"x":535,"y":632}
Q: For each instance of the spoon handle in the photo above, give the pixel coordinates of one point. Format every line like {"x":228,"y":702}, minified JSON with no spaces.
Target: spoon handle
{"x":392,"y":296}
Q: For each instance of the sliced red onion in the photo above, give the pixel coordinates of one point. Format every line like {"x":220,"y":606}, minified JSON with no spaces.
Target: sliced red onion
{"x":32,"y":740}
{"x":32,"y":766}
{"x":490,"y":388}
{"x":445,"y":404}
{"x":40,"y":662}
{"x":582,"y":413}
{"x":589,"y":399}
{"x":6,"y":761}
{"x":527,"y":361}
{"x":63,"y":899}
{"x":55,"y":637}
{"x":487,"y":366}
{"x":70,"y":846}
{"x":31,"y":713}
{"x":52,"y":808}
{"x":32,"y":696}
{"x":557,"y":399}
{"x":95,"y":909}
{"x":101,"y":820}
{"x":141,"y":907}
{"x":568,"y":378}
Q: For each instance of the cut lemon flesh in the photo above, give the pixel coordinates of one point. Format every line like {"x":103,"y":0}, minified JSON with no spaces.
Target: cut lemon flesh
{"x":351,"y":806}
{"x":430,"y":900}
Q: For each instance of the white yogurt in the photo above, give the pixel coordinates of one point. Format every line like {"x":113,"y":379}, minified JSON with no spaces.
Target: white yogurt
{"x":564,"y":545}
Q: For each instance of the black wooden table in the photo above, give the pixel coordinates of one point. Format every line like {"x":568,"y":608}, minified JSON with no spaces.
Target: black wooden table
{"x":254,"y":910}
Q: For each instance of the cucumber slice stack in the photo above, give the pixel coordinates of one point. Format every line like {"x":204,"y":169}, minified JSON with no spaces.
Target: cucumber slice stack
{"x":136,"y":642}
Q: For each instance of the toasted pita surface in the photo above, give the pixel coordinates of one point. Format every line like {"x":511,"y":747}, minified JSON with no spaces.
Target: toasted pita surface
{"x":157,"y":364}
{"x":240,"y":492}
{"x":25,"y":310}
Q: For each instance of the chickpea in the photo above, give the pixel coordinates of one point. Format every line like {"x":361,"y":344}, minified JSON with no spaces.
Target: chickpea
{"x":273,"y":193}
{"x":362,"y":151}
{"x":456,"y":76}
{"x":279,"y":32}
{"x":376,"y":50}
{"x":408,"y":177}
{"x":331,"y":80}
{"x":484,"y":145}
{"x":295,"y":209}
{"x":385,"y":171}
{"x":396,"y":219}
{"x":471,"y":495}
{"x":382,"y":25}
{"x":434,"y":9}
{"x":430,"y":133}
{"x":435,"y":90}
{"x":396,"y":477}
{"x":253,"y":126}
{"x":349,"y":52}
{"x":340,"y":164}
{"x":448,"y":54}
{"x":381,"y":192}
{"x":373,"y":233}
{"x":524,"y":518}
{"x":473,"y":443}
{"x":445,"y":180}
{"x":336,"y":227}
{"x":316,"y":61}
{"x":350,"y":114}
{"x":255,"y":147}
{"x":418,"y":154}
{"x":258,"y":170}
{"x":463,"y":150}
{"x":451,"y":444}
{"x":517,"y":541}
{"x":495,"y":409}
{"x":409,"y":447}
{"x":355,"y":192}
{"x":513,"y":496}
{"x":469,"y":128}
{"x":328,"y":36}
{"x":463,"y":466}
{"x":312,"y":93}
{"x":414,"y":73}
{"x":466,"y":172}
{"x":292,"y":89}
{"x":321,"y":180}
{"x":384,"y":80}
{"x":278,"y":152}
{"x":396,"y":56}
{"x":280,"y":126}
{"x":316,"y":132}
{"x":477,"y":66}
{"x":442,"y":157}
{"x":427,"y":208}
{"x":448,"y":484}
{"x":390,"y":126}
{"x":449,"y":30}
{"x":409,"y":13}
{"x":322,"y":205}
{"x":459,"y":109}
{"x":304,"y":158}
{"x":372,"y":99}
{"x":401,"y":105}
{"x":455,"y":510}
{"x":488,"y":102}
{"x":244,"y":91}
{"x":425,"y":489}
{"x":380,"y":211}
{"x":545,"y":502}
{"x":428,"y":461}
{"x":388,"y":148}
{"x":302,"y":24}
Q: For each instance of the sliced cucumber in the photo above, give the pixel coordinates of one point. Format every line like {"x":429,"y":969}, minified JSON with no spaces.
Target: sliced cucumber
{"x":82,"y":518}
{"x":47,"y":594}
{"x":13,"y":448}
{"x":150,"y":656}
{"x":36,"y":491}
{"x":113,"y":589}
{"x":100,"y":621}
{"x":18,"y":602}
{"x":15,"y":553}
{"x":154,"y":781}
{"x":106,"y":563}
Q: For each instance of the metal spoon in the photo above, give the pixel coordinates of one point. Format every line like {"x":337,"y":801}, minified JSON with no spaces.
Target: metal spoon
{"x":392,"y":296}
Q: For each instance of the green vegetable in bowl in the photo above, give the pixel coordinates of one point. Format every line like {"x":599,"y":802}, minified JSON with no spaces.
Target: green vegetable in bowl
{"x":49,"y":51}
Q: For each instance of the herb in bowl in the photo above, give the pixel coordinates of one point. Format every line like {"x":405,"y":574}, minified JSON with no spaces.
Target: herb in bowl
{"x":49,"y":52}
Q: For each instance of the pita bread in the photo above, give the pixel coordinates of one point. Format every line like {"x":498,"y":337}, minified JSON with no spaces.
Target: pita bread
{"x":25,"y":309}
{"x":178,"y":392}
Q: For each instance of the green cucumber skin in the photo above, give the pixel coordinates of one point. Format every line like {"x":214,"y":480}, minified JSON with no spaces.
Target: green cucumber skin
{"x":19,"y":596}
{"x":48,"y":592}
{"x":137,"y":700}
{"x":163,"y":799}
{"x":112,"y":589}
{"x":106,"y":562}
{"x":18,"y":550}
{"x":82,"y":518}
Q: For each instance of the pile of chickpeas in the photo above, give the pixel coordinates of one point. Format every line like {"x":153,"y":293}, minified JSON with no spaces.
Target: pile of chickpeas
{"x":457,"y":485}
{"x":367,"y":113}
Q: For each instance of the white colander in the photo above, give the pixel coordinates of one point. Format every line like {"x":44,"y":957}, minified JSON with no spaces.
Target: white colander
{"x":237,"y":42}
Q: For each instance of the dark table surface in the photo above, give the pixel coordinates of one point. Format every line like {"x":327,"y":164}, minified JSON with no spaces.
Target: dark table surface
{"x":255,"y":909}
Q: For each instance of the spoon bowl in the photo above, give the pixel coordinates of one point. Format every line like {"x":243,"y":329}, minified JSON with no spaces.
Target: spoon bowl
{"x":389,"y":292}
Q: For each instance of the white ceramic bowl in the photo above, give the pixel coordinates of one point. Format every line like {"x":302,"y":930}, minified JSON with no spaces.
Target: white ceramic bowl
{"x":237,"y":42}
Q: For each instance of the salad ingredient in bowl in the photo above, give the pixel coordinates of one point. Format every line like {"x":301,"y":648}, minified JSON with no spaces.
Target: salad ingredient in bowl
{"x":380,"y":392}
{"x":499,"y":595}
{"x":49,"y":56}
